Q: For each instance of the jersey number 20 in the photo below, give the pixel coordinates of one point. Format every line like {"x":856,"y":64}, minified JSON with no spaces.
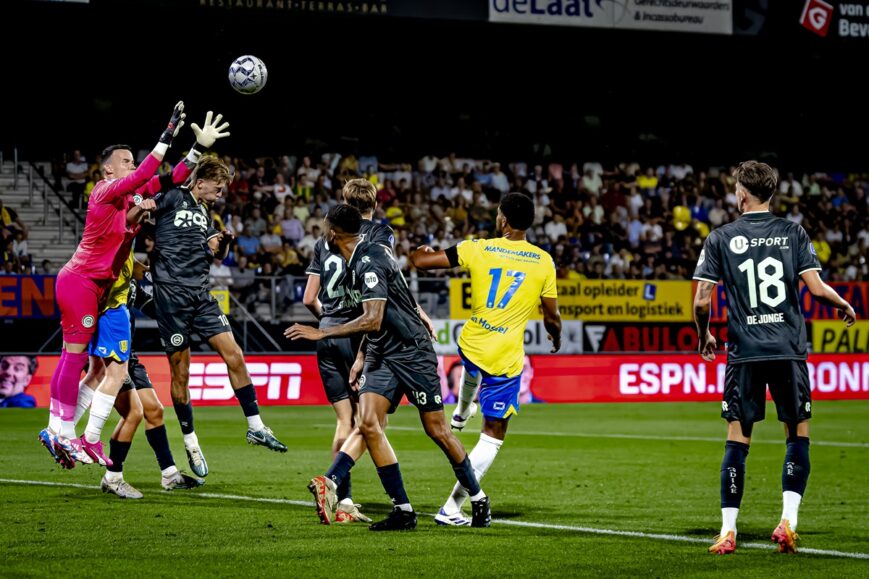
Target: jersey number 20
{"x":518,"y":278}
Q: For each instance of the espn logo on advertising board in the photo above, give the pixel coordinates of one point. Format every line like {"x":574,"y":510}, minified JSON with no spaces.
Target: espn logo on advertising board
{"x":816,"y":16}
{"x":210,"y":381}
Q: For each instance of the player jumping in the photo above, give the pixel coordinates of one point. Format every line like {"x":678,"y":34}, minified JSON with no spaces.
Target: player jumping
{"x":83,"y":282}
{"x":185,"y":245}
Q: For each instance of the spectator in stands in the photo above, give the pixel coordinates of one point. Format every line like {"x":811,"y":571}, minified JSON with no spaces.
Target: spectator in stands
{"x":10,"y":266}
{"x":500,"y":180}
{"x":221,"y":275}
{"x":77,"y":173}
{"x":256,"y":223}
{"x":46,"y":268}
{"x":9,"y":221}
{"x":248,"y":242}
{"x":591,"y":182}
{"x":270,"y":242}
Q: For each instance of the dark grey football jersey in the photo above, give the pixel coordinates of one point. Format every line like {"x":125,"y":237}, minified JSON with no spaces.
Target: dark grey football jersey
{"x":374,"y":275}
{"x":760,"y":258}
{"x":183,"y":228}
{"x":332,"y":269}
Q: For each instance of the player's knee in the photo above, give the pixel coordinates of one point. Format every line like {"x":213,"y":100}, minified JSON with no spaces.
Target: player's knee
{"x":154,"y":414}
{"x":344,"y":425}
{"x":234,"y":359}
{"x":180,"y":379}
{"x":369,"y":427}
{"x":437,"y":430}
{"x":134,"y":415}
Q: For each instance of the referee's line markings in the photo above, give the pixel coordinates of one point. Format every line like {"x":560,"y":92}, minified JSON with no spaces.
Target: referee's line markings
{"x":639,"y":437}
{"x":573,"y":528}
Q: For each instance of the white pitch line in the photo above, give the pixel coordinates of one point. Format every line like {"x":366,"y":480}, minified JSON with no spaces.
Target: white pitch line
{"x":639,"y":437}
{"x":576,"y":529}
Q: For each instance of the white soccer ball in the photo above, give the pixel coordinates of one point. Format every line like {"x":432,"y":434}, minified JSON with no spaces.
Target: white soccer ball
{"x":248,"y":74}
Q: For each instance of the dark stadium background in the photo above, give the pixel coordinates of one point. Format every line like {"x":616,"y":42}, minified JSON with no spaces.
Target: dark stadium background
{"x":83,"y":76}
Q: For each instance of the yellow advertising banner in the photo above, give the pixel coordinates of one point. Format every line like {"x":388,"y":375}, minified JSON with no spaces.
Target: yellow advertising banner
{"x":835,"y":338}
{"x":602,"y":300}
{"x":221,"y":296}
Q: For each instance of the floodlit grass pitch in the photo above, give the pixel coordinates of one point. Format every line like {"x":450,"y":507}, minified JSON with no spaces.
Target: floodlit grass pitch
{"x":570,"y":488}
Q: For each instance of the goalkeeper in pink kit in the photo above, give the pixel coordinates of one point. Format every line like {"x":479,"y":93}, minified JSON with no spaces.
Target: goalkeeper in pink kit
{"x":82,"y":284}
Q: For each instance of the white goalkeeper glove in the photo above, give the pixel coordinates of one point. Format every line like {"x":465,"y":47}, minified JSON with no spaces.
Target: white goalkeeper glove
{"x":210,"y":131}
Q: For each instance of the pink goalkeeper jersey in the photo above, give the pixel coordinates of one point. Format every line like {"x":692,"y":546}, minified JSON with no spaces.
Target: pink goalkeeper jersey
{"x":107,"y":238}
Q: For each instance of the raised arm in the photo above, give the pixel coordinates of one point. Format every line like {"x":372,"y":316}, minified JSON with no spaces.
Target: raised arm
{"x":424,"y":257}
{"x":210,"y":132}
{"x":828,"y":296}
{"x":139,"y":178}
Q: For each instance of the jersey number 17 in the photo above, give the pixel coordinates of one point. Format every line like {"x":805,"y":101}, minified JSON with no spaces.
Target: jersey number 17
{"x":496,"y":273}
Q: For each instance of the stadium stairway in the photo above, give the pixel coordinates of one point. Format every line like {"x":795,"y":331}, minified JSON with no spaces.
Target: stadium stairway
{"x":39,"y":210}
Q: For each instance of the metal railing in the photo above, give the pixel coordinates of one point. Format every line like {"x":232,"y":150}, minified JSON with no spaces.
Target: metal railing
{"x":278,"y":298}
{"x":77,"y":221}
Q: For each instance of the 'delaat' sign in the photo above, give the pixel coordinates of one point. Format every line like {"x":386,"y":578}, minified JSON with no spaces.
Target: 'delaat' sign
{"x":28,"y":296}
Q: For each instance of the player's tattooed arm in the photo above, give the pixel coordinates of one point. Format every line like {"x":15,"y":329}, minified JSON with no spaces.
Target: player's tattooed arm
{"x":369,"y":321}
{"x":702,"y":306}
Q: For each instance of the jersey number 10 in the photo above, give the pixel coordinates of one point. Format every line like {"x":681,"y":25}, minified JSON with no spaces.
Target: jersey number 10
{"x":518,"y":278}
{"x":768,"y":280}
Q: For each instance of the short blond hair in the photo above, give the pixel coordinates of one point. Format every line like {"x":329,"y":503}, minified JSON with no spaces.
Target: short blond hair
{"x":361,"y":194}
{"x":212,"y":169}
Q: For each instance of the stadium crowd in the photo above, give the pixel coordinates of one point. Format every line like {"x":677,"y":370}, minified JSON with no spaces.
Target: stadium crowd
{"x":621,"y":222}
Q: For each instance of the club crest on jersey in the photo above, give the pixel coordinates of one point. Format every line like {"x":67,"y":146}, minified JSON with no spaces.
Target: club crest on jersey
{"x":123,"y":345}
{"x":87,"y":321}
{"x":176,"y":339}
{"x":702,"y":257}
{"x":739,"y":244}
{"x":362,"y":381}
{"x":371,"y":279}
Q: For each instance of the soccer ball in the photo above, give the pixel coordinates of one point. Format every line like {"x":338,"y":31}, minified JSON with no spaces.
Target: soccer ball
{"x":248,"y":74}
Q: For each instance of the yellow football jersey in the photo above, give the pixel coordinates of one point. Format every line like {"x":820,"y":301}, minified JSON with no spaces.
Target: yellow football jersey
{"x":508,"y":278}
{"x":120,"y":290}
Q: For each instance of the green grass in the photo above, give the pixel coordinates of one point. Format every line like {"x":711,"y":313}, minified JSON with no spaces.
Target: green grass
{"x":568,"y":477}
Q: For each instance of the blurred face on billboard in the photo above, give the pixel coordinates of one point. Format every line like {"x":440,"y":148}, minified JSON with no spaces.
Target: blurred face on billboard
{"x":14,"y":375}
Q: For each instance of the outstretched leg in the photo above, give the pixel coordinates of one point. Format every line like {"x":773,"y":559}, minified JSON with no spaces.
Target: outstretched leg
{"x":257,"y":432}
